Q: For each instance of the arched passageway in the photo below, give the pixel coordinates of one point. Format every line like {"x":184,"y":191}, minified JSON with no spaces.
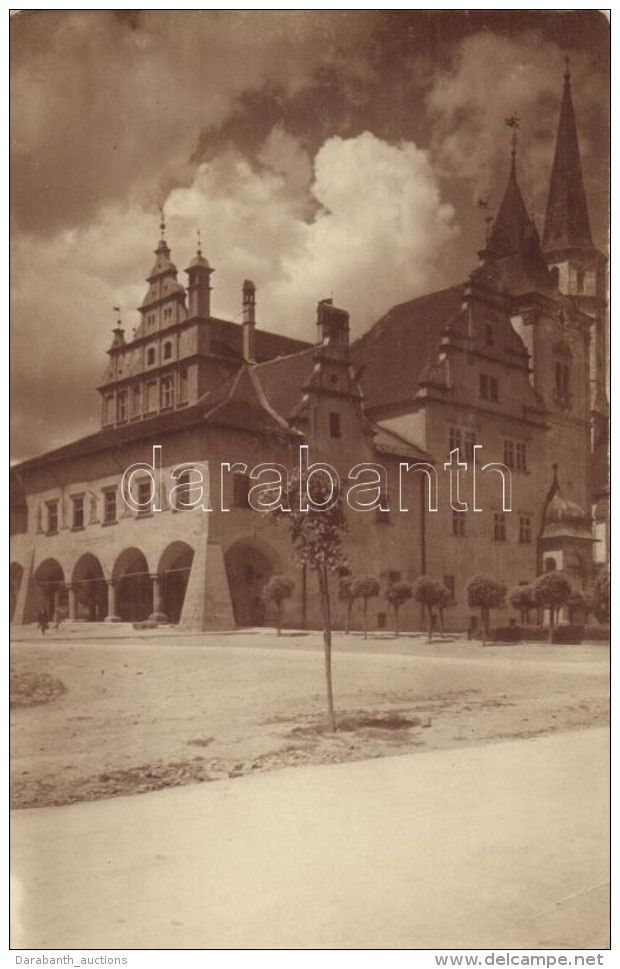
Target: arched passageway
{"x":90,"y":589}
{"x":16,"y":575}
{"x":50,"y":579}
{"x":250,"y":562}
{"x":174,"y":570}
{"x":132,"y":586}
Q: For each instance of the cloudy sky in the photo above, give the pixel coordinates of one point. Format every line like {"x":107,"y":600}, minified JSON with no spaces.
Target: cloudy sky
{"x":319,"y":153}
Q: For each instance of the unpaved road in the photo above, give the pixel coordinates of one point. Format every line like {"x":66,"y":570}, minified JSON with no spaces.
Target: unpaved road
{"x":144,"y":713}
{"x":497,"y":846}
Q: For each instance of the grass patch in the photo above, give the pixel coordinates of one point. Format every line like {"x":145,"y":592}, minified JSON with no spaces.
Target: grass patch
{"x":29,"y":689}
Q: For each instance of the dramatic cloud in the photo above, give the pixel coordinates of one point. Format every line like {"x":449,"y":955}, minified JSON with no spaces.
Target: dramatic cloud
{"x":107,"y":105}
{"x":493,"y":77}
{"x":374,"y":240}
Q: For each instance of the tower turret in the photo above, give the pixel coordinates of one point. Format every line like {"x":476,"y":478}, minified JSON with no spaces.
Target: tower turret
{"x":199,"y":285}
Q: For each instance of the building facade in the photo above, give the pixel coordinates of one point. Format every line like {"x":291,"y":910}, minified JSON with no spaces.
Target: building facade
{"x":483,"y":406}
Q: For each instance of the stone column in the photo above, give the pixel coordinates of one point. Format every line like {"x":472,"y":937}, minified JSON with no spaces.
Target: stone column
{"x":72,"y":592}
{"x":157,"y":615}
{"x":111,"y":616}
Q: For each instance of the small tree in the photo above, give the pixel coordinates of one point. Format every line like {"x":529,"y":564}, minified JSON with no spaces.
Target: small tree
{"x":485,"y":593}
{"x":365,"y":587}
{"x":444,"y":600}
{"x":316,"y":535}
{"x":602,"y":596}
{"x":426,"y":591}
{"x":522,"y":598}
{"x":349,"y":595}
{"x":552,"y":590}
{"x":397,"y":593}
{"x":278,"y":589}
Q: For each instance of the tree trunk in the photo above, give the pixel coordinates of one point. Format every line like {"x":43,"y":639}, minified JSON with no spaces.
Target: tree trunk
{"x":483,"y":624}
{"x":327,"y":643}
{"x":279,"y":618}
{"x":430,"y":624}
{"x":365,"y":623}
{"x":551,"y":622}
{"x":441,"y":622}
{"x":349,"y":608}
{"x":396,"y":626}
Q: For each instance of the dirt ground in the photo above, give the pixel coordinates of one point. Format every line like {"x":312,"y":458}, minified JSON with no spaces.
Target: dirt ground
{"x":138,"y":714}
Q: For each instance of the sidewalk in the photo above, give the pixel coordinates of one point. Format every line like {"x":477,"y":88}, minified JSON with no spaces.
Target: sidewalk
{"x":503,"y":845}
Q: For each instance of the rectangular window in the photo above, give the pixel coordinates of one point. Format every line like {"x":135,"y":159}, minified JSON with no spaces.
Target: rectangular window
{"x":454,"y":439}
{"x":121,"y":406}
{"x":145,"y":497}
{"x":108,"y":409}
{"x":167,"y":393}
{"x":509,"y":453}
{"x":52,"y":517}
{"x":484,"y":386}
{"x":458,"y":524}
{"x":521,"y":456}
{"x":241,"y":490}
{"x":494,"y":388}
{"x":167,"y":349}
{"x":183,"y":385}
{"x":525,"y":529}
{"x":151,"y":396}
{"x":109,"y":505}
{"x":183,"y":494}
{"x":499,"y":528}
{"x":468,"y":447}
{"x":334,"y":425}
{"x":78,"y":511}
{"x":136,"y":401}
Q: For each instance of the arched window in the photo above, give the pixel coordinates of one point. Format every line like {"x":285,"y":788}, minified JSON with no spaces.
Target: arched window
{"x":150,"y":356}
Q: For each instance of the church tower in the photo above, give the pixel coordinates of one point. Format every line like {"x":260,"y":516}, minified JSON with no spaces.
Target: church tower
{"x":579,"y":270}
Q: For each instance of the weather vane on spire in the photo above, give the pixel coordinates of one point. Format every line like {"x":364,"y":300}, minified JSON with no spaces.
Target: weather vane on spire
{"x":117,"y":309}
{"x":199,"y":242}
{"x":514,"y":122}
{"x":162,"y":222}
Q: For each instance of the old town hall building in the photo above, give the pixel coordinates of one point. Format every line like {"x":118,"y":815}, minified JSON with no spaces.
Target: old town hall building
{"x":507,"y":368}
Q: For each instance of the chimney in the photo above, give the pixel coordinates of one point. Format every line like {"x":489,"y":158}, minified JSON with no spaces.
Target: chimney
{"x":249,"y":318}
{"x":332,"y":323}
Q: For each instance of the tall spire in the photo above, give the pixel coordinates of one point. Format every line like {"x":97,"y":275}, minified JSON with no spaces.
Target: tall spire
{"x":567,"y":224}
{"x":512,"y":230}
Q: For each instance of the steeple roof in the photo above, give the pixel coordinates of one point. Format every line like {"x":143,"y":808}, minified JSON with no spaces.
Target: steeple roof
{"x":513,"y":228}
{"x":567,"y":224}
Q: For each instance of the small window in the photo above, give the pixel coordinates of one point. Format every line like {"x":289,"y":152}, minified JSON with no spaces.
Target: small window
{"x":509,"y":454}
{"x":499,"y":528}
{"x":468,"y":447}
{"x":167,"y":312}
{"x":167,"y":393}
{"x":167,"y":348}
{"x":521,"y":456}
{"x":109,"y":505}
{"x":458,"y":524}
{"x":525,"y":530}
{"x":581,"y":280}
{"x":489,"y":338}
{"x":182,"y":493}
{"x":52,"y":517}
{"x":183,"y":385}
{"x":555,"y":276}
{"x":334,"y":425}
{"x":150,"y":356}
{"x":78,"y":511}
{"x":145,"y":497}
{"x":484,"y":386}
{"x":108,"y":409}
{"x":151,"y":396}
{"x":121,"y":406}
{"x":136,"y":401}
{"x":494,"y":388}
{"x":241,"y":490}
{"x":454,"y":439}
